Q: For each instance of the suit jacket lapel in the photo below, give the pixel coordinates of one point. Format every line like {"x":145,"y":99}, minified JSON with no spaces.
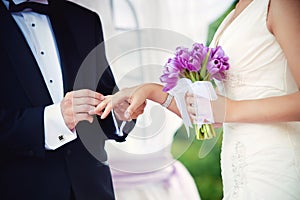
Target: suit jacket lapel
{"x":22,"y":60}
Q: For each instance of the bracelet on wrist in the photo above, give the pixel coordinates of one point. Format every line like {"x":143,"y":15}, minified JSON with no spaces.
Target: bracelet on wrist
{"x":168,"y":101}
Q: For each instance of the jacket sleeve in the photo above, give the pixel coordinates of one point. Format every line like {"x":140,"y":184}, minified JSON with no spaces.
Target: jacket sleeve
{"x":107,"y":86}
{"x":21,"y":132}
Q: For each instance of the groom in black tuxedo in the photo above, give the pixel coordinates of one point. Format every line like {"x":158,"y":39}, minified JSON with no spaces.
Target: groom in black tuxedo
{"x":42,"y":46}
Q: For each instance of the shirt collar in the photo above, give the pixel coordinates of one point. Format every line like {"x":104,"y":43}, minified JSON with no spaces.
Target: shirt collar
{"x":38,"y":1}
{"x":6,"y":3}
{"x":18,"y":1}
{"x":21,"y":1}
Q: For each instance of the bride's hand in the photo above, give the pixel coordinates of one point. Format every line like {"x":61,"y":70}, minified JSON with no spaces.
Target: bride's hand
{"x":199,"y":107}
{"x":121,"y":104}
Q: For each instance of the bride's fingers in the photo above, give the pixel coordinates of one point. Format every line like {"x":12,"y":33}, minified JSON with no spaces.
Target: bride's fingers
{"x":101,"y":106}
{"x":191,"y":109}
{"x":189,"y":94}
{"x":136,"y":114}
{"x":98,"y":109}
{"x":141,"y":107}
{"x":139,"y":111}
{"x":135,"y":103}
{"x":218,"y":125}
{"x":190,"y":100}
{"x":107,"y":110}
{"x":193,"y":119}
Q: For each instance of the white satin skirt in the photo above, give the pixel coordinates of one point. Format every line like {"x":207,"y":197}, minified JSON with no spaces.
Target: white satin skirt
{"x":261,"y":161}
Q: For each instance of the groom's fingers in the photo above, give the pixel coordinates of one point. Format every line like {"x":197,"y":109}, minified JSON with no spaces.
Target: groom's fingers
{"x":87,"y":93}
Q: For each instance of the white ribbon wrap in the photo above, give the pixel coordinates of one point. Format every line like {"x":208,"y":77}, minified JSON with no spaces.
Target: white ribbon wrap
{"x":204,"y":93}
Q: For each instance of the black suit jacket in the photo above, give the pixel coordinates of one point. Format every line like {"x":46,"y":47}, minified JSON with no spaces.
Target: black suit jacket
{"x":27,"y":170}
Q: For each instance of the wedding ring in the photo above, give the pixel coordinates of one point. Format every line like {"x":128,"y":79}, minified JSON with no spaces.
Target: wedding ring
{"x":192,"y":104}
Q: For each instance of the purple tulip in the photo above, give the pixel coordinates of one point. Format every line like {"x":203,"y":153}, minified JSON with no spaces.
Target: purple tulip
{"x":218,"y":63}
{"x":188,"y":62}
{"x":171,"y":72}
{"x":182,"y":53}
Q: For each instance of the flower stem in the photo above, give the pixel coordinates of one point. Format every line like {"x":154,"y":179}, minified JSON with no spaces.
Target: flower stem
{"x":206,"y":131}
{"x":204,"y":65}
{"x":198,"y":76}
{"x":207,"y":77}
{"x":192,"y":77}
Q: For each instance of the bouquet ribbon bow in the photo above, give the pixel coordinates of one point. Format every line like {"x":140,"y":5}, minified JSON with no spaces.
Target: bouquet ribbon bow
{"x":204,"y":93}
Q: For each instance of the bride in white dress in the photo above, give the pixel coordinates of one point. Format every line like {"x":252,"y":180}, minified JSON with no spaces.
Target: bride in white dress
{"x":260,"y":158}
{"x":261,"y":143}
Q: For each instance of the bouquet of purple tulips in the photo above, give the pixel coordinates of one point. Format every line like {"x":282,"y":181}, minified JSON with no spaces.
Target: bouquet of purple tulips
{"x":201,"y":63}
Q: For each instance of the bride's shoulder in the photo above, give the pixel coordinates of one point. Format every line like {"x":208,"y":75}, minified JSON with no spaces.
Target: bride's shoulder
{"x":283,"y":14}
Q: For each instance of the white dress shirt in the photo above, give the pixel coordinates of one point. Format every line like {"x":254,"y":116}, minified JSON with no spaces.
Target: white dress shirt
{"x":38,"y":33}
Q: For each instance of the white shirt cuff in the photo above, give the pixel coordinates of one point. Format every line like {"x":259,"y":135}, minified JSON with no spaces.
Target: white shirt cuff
{"x":56,"y":131}
{"x":119,"y":131}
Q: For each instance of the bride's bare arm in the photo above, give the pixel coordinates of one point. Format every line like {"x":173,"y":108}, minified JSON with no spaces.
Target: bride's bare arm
{"x":136,"y":97}
{"x":151,"y":91}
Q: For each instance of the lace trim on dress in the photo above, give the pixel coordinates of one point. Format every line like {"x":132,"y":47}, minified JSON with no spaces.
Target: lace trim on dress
{"x":234,"y":80}
{"x":238,"y":165}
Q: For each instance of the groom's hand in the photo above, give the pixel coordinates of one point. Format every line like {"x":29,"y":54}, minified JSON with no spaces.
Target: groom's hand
{"x":76,"y":105}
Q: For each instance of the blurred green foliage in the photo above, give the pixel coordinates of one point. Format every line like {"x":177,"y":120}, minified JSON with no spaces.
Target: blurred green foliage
{"x":215,"y":24}
{"x":205,"y":171}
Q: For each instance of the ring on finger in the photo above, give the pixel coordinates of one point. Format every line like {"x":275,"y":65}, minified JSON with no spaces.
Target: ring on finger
{"x":192,"y":104}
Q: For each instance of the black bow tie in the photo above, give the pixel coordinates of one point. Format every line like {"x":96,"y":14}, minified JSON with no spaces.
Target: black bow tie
{"x":33,"y":6}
